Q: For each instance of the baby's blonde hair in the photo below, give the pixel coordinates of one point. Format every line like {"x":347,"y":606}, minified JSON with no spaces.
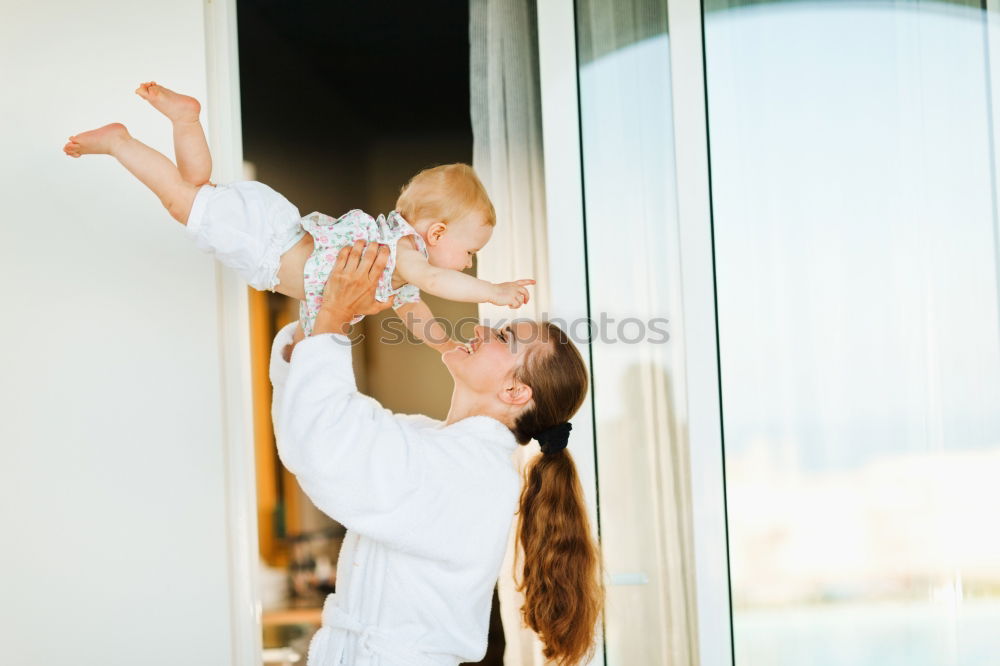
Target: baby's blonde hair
{"x":446,"y":193}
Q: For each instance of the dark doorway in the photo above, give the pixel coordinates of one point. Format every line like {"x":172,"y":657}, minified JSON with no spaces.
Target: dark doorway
{"x":341,"y":103}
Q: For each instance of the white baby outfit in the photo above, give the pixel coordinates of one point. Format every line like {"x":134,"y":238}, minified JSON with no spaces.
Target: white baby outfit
{"x":248,"y":226}
{"x":428,"y":508}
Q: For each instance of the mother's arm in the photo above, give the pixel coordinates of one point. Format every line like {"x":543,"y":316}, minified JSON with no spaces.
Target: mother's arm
{"x":350,"y":288}
{"x":353,"y":458}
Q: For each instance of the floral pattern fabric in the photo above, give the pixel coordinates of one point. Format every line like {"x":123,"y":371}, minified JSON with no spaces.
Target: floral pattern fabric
{"x":331,"y":234}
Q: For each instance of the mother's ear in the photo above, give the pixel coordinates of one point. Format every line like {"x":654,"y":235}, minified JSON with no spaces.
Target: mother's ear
{"x":516,"y":395}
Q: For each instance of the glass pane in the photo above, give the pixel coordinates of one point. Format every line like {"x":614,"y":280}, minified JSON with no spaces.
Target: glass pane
{"x":856,"y":259}
{"x":630,"y":206}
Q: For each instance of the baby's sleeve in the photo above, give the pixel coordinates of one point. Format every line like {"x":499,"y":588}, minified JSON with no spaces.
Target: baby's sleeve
{"x":408,"y":293}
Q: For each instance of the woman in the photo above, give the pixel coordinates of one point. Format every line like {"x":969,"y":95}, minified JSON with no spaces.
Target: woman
{"x":428,"y":505}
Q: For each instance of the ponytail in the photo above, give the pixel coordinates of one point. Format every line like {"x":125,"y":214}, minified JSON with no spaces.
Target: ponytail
{"x":562,"y":591}
{"x":563,"y":595}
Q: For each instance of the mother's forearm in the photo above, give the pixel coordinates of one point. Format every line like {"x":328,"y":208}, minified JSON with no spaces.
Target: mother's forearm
{"x":332,"y":319}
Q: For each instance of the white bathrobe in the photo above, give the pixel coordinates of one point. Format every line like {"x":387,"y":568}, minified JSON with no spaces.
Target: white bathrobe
{"x":427,"y":507}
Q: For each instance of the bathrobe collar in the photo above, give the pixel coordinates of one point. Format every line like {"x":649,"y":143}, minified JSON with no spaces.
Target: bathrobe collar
{"x":495,"y":431}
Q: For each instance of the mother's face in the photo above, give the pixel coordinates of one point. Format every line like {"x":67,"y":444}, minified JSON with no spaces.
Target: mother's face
{"x":493,"y":355}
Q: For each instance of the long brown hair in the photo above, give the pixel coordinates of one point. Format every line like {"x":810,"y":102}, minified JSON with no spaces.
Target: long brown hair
{"x":561,"y":579}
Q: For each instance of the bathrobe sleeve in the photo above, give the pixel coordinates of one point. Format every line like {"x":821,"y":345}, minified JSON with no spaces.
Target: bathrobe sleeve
{"x":357,"y":461}
{"x":278,"y":371}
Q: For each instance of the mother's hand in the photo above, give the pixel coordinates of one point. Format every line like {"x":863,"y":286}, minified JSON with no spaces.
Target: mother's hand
{"x":350,"y":289}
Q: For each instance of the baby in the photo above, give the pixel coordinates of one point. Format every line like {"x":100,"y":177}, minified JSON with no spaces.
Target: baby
{"x":442,"y":218}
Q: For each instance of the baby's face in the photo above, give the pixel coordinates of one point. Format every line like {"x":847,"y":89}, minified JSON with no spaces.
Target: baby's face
{"x":456,"y":245}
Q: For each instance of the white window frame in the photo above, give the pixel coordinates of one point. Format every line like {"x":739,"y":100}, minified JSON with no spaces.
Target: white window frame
{"x":225,"y":135}
{"x":564,"y":214}
{"x":993,"y":60}
{"x":697,"y":332}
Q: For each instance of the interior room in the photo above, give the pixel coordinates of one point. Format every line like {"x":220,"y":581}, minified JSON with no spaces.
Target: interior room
{"x":766,"y":432}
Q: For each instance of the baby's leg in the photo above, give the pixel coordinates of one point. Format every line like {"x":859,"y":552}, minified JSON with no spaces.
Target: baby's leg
{"x":194,"y":161}
{"x":152,"y":168}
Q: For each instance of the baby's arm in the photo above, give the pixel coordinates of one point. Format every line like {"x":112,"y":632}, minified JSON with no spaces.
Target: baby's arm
{"x":420,"y":320}
{"x":413,"y":267}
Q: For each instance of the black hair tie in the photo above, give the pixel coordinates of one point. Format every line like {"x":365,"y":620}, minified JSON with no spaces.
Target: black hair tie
{"x":554,"y":439}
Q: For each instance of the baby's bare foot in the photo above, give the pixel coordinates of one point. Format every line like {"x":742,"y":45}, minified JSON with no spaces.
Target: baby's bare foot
{"x":177,"y":107}
{"x":99,"y":141}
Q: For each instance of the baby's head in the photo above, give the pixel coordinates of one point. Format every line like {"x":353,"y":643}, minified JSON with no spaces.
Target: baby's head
{"x":449,"y":208}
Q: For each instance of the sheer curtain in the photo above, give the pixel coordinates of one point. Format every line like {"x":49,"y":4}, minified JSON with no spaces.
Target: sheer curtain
{"x":507,"y":155}
{"x":507,"y":144}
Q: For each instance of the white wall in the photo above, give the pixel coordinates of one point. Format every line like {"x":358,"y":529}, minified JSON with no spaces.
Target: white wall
{"x":113,"y":505}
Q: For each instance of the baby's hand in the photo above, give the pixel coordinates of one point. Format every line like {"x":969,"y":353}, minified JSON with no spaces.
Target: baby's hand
{"x":512,"y":294}
{"x":297,"y":336}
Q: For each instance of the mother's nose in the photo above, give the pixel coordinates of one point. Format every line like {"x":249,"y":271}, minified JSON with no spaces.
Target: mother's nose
{"x":481,"y":332}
